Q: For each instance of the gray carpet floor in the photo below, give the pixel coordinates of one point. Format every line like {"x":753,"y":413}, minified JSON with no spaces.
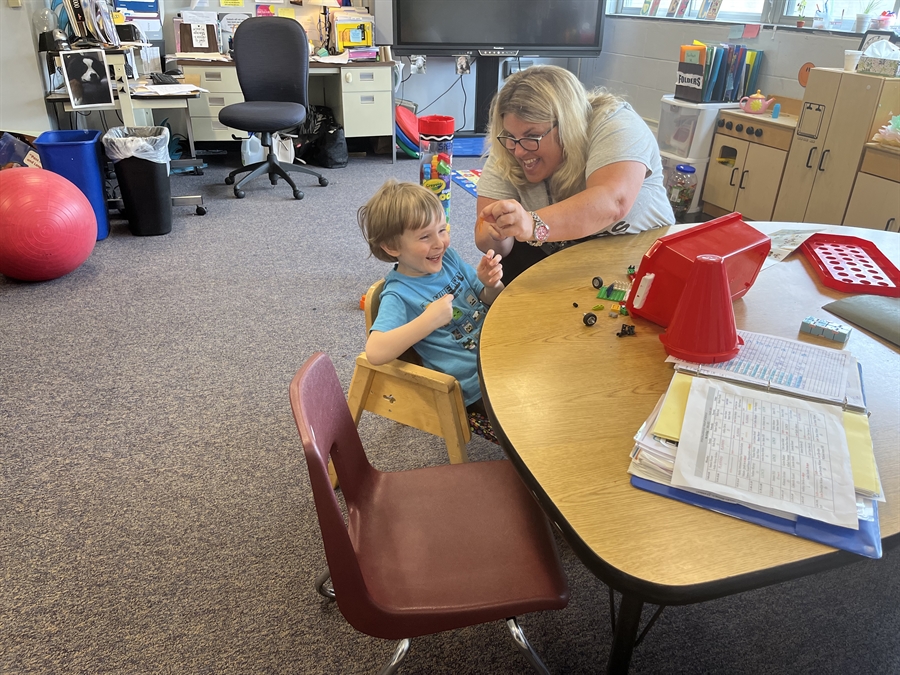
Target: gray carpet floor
{"x":155,"y":510}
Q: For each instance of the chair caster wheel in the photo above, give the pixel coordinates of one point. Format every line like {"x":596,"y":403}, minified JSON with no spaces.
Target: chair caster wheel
{"x":201,"y":211}
{"x":323,"y":181}
{"x":274,"y":180}
{"x":238,"y":193}
{"x":229,"y":180}
{"x":199,"y":172}
{"x":298,"y":194}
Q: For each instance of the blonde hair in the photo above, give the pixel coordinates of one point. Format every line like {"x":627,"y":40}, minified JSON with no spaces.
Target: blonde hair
{"x":395,"y":208}
{"x":544,"y":94}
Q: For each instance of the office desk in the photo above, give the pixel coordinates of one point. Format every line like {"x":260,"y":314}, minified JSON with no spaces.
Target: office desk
{"x":566,"y":400}
{"x":360,"y":94}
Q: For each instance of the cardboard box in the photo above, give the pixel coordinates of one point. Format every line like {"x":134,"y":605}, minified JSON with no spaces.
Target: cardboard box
{"x":872,"y":65}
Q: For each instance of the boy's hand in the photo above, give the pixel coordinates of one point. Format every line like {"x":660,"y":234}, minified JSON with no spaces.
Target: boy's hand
{"x":490,"y":271}
{"x":440,"y":312}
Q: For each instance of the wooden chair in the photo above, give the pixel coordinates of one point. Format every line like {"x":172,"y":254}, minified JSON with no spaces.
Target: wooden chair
{"x":407,"y":392}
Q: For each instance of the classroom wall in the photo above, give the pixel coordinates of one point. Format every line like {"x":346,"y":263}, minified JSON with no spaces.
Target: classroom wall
{"x":640,"y":55}
{"x":22,"y":106}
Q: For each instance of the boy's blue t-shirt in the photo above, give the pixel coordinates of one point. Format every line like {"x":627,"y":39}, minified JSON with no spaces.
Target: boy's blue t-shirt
{"x":451,"y":349}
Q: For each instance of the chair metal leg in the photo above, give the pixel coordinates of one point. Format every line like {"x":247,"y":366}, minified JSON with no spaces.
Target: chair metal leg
{"x":321,"y":588}
{"x":396,"y":658}
{"x":525,"y":647}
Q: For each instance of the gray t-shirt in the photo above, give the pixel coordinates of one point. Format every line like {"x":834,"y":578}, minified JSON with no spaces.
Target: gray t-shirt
{"x":618,"y":136}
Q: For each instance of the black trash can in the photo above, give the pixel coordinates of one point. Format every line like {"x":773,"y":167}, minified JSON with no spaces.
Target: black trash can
{"x":141,"y":159}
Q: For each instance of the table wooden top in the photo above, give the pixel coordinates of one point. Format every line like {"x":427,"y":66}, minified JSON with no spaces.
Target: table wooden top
{"x":567,"y":400}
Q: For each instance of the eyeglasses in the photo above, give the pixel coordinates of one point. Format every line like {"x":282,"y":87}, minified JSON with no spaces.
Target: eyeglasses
{"x":529,"y":144}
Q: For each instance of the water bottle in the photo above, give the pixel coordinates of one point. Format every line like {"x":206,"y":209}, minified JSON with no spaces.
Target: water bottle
{"x":680,"y":187}
{"x":436,"y":156}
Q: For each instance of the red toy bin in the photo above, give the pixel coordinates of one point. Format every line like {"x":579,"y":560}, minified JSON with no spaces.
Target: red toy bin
{"x":666,"y":266}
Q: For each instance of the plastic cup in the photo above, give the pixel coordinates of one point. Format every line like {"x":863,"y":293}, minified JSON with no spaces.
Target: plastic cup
{"x":703,"y":328}
{"x":851,"y":58}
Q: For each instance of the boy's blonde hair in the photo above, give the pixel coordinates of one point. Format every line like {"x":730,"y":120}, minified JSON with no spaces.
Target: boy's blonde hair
{"x":395,"y":208}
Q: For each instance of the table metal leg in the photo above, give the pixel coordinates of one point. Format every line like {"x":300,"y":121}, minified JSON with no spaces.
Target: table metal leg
{"x":624,"y":635}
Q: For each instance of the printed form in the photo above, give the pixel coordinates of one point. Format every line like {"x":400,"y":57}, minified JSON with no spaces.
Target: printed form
{"x":790,"y":365}
{"x":768,"y":450}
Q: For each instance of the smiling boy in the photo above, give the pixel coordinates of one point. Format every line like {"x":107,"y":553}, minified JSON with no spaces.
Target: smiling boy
{"x":432,"y":300}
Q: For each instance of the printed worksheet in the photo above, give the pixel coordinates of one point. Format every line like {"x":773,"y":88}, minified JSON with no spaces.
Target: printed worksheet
{"x":787,"y":365}
{"x":767,"y":449}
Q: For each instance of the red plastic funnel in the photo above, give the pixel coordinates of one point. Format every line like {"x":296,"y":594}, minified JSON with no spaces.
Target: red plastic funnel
{"x":702,"y":328}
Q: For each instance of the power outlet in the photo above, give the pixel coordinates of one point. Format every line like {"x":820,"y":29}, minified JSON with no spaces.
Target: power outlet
{"x":463,"y":64}
{"x":417,"y":64}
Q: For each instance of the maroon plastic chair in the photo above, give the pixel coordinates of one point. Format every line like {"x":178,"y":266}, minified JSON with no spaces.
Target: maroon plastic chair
{"x":426,"y":550}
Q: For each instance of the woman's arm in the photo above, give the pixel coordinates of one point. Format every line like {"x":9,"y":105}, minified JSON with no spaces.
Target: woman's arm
{"x":611,"y":192}
{"x":382,"y":347}
{"x":487,"y":238}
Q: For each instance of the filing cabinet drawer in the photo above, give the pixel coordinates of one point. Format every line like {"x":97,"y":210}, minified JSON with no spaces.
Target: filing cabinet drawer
{"x":366,"y":79}
{"x":211,"y":129}
{"x":209,"y":105}
{"x":368,"y":114}
{"x":217,"y":79}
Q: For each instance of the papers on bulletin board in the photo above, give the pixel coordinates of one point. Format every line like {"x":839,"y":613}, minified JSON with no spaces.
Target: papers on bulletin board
{"x":199,"y":17}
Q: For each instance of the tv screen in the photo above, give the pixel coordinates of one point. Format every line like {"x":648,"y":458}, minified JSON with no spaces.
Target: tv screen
{"x":545,"y":28}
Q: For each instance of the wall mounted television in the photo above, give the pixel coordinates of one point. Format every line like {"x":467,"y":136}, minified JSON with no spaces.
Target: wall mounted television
{"x":542,"y":28}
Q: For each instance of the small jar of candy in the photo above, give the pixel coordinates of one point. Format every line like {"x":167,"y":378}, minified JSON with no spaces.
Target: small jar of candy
{"x":680,"y":186}
{"x":436,"y":156}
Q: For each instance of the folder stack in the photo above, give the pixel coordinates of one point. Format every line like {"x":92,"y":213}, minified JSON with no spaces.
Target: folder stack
{"x":775,"y":436}
{"x":717,"y":73}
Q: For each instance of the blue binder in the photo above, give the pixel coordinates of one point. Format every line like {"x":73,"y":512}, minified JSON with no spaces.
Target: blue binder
{"x":865,"y":541}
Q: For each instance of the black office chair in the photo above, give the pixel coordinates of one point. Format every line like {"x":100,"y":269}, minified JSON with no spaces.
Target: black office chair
{"x":272,"y":58}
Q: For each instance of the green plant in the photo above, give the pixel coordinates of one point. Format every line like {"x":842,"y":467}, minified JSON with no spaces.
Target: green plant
{"x":870,"y":6}
{"x":801,"y":8}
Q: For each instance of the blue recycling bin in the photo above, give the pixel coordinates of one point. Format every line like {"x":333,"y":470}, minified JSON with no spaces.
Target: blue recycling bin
{"x":75,"y":155}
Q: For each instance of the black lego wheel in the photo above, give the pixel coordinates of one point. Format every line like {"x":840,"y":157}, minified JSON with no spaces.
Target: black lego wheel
{"x":229,"y":180}
{"x":323,"y":181}
{"x":590,"y":319}
{"x":239,"y":193}
{"x":298,"y":194}
{"x":597,"y":282}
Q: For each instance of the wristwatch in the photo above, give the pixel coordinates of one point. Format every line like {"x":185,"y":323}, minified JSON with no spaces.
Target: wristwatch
{"x":541,"y":230}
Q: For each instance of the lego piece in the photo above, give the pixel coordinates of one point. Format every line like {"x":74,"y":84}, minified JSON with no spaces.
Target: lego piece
{"x":623,"y":310}
{"x":614,"y":315}
{"x":597,"y":308}
{"x":589,"y":319}
{"x":625,"y":331}
{"x":574,"y":304}
{"x":597,"y":282}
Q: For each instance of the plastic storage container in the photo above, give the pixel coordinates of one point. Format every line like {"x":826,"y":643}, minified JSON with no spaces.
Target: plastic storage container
{"x":666,"y":266}
{"x":141,"y":159}
{"x":686,"y":129}
{"x":436,"y":156}
{"x":681,"y":186}
{"x":75,"y":155}
{"x":670,"y":161}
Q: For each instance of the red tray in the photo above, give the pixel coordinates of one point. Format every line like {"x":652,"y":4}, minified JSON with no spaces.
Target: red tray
{"x":852,"y":265}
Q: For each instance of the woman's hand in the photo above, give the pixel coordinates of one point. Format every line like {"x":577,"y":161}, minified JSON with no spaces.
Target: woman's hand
{"x":508,"y":218}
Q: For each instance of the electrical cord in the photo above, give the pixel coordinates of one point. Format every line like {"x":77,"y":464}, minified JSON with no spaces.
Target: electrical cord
{"x":458,"y":79}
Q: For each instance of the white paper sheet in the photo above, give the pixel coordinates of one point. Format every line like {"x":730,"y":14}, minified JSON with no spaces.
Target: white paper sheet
{"x":767,"y":449}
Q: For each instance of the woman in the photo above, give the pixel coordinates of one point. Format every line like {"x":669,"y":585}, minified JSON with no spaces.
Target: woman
{"x":565,"y":165}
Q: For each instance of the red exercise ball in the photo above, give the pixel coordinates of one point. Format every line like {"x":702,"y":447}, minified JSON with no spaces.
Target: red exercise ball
{"x":47,"y":225}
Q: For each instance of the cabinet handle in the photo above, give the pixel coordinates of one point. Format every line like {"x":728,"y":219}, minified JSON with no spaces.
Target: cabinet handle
{"x":348,"y":77}
{"x":731,"y":178}
{"x":367,"y":100}
{"x":217,"y":100}
{"x":809,"y":156}
{"x":213,"y":76}
{"x":367,"y":76}
{"x":743,"y":174}
{"x":822,"y":159}
{"x":887,"y":225}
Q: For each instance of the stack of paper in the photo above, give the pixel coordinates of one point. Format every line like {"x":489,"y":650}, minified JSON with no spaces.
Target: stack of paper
{"x":783,"y":460}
